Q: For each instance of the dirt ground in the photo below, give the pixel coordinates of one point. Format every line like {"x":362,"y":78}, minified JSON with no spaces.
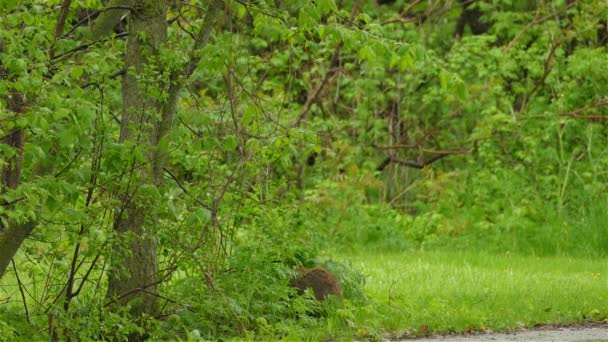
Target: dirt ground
{"x":576,"y":333}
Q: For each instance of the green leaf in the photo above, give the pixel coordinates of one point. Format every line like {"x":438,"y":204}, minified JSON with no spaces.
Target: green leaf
{"x":461,"y":90}
{"x":198,"y":217}
{"x":67,"y":138}
{"x":366,"y":53}
{"x":16,"y":65}
{"x":9,"y":4}
{"x":77,"y":72}
{"x":230,"y":143}
{"x":443,"y":79}
{"x":326,"y":6}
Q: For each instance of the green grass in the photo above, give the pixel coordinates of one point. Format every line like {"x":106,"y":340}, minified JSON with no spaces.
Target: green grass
{"x":423,"y":292}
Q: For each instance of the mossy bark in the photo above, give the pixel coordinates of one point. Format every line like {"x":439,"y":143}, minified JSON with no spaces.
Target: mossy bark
{"x":134,"y":275}
{"x":108,"y":19}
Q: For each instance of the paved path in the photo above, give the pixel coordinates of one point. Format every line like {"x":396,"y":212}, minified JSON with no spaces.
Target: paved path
{"x":596,"y":333}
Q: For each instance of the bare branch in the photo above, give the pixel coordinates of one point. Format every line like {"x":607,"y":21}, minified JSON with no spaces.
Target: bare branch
{"x":419,"y":165}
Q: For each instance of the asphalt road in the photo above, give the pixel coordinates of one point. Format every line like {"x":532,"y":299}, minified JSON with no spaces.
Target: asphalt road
{"x":595,"y":333}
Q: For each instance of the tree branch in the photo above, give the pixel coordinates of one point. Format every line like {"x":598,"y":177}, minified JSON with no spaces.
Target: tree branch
{"x":65,"y":9}
{"x":419,"y":165}
{"x":532,"y":23}
{"x":27,"y":314}
{"x":312,"y":97}
{"x":578,"y":113}
{"x":114,"y":12}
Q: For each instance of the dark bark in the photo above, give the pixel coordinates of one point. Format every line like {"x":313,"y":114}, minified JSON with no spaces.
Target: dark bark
{"x":13,"y":234}
{"x":471,"y":15}
{"x":602,"y":33}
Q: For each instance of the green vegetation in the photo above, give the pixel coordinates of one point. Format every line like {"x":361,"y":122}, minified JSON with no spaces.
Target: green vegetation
{"x":421,"y":292}
{"x":167,"y":166}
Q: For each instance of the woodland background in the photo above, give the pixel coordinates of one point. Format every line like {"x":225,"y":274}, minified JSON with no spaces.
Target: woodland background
{"x":167,"y":165}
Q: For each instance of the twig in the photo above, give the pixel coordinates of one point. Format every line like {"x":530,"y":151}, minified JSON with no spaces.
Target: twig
{"x":578,"y":112}
{"x":186,"y":31}
{"x":532,"y":23}
{"x":597,"y":104}
{"x":312,"y":97}
{"x":406,"y":190}
{"x":65,"y":9}
{"x":390,"y":288}
{"x":409,"y":7}
{"x":78,"y":24}
{"x":541,"y":80}
{"x":402,"y":18}
{"x":586,"y":116}
{"x":418,"y":165}
{"x":86,"y":276}
{"x":110,"y":76}
{"x":58,"y":58}
{"x":135,"y":290}
{"x":185,"y":190}
{"x":27,"y":314}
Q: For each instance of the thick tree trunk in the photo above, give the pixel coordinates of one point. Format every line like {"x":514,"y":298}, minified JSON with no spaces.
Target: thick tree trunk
{"x":134,"y":273}
{"x":11,"y":239}
{"x":13,"y":235}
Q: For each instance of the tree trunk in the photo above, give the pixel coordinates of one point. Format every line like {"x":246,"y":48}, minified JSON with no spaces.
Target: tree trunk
{"x":13,"y":234}
{"x":11,"y":239}
{"x":134,"y":273}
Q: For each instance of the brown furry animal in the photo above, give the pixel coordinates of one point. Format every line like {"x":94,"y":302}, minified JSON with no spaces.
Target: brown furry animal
{"x":322,"y":282}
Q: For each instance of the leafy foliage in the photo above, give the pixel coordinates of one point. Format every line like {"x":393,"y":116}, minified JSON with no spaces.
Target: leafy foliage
{"x":304,"y":129}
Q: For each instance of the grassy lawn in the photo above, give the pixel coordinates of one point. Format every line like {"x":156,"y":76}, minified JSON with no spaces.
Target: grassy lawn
{"x":423,"y":292}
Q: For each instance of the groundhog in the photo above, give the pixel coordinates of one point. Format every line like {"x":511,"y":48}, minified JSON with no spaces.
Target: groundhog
{"x":322,"y":282}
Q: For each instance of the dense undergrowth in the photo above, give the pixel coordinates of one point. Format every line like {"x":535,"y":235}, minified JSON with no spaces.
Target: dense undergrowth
{"x":447,"y":268}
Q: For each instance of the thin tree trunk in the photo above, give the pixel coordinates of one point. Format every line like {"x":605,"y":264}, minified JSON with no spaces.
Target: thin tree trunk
{"x":134,"y":273}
